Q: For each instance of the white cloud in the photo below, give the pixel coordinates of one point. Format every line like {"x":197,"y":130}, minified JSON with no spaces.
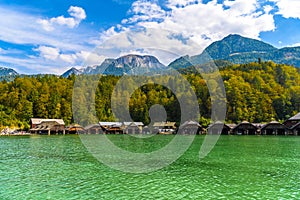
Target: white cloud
{"x":49,"y":53}
{"x":77,"y":12}
{"x":145,"y":10}
{"x":55,"y":54}
{"x":23,"y":28}
{"x":68,"y":58}
{"x":242,"y":7}
{"x":45,"y":24}
{"x":30,"y":65}
{"x":52,"y":54}
{"x":179,"y":3}
{"x":49,"y":60}
{"x":90,"y":58}
{"x":178,"y":28}
{"x":61,"y":20}
{"x":54,"y":48}
{"x":268,"y":9}
{"x":77,"y":15}
{"x":51,"y":50}
{"x":186,"y":27}
{"x":288,"y":8}
{"x":293,"y":45}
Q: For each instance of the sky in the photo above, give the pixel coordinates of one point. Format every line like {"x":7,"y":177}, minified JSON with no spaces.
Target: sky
{"x":50,"y":36}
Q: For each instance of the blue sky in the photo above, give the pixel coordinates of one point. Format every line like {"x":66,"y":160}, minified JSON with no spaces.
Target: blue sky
{"x":50,"y":36}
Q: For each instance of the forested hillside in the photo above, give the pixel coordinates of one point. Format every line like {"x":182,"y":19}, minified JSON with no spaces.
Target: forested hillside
{"x":257,"y":92}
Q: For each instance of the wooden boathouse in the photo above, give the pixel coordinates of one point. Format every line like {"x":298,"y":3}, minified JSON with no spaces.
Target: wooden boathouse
{"x":295,"y":130}
{"x":274,"y":128}
{"x":47,"y":126}
{"x":164,"y":127}
{"x":75,"y":129}
{"x":93,"y":129}
{"x":132,"y":127}
{"x":292,"y":121}
{"x":111,"y":127}
{"x":190,"y":127}
{"x":219,"y":128}
{"x":293,"y":125}
{"x":245,"y":128}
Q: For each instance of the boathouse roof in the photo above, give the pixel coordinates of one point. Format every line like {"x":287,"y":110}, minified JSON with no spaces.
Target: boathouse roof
{"x":272,"y":124}
{"x":37,"y":121}
{"x":159,"y":124}
{"x":133,"y":123}
{"x":295,"y":126}
{"x":295,"y":117}
{"x":191,"y":122}
{"x":92,"y":126}
{"x":110,"y":124}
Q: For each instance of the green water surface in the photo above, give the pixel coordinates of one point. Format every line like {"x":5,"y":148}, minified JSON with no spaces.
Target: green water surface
{"x":239,"y":167}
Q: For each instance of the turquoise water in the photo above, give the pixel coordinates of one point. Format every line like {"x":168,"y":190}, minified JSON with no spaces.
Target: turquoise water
{"x":239,"y":167}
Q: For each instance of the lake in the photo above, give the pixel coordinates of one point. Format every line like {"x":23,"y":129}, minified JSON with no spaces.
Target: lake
{"x":239,"y":167}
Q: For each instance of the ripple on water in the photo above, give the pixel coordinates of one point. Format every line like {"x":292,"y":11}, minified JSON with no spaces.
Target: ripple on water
{"x":61,"y":168}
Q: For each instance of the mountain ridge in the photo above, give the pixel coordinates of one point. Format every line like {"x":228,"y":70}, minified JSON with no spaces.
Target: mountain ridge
{"x":240,"y":50}
{"x":233,"y":48}
{"x":129,"y":64}
{"x":5,"y":71}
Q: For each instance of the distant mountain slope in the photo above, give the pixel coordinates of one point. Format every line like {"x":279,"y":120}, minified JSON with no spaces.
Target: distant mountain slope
{"x":4,"y":71}
{"x":129,"y":64}
{"x":241,"y":50}
{"x":236,"y":44}
{"x":7,"y":74}
{"x":71,"y":71}
{"x":234,"y":49}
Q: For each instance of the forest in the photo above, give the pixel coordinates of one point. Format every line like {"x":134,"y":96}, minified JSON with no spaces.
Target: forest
{"x":256,"y":92}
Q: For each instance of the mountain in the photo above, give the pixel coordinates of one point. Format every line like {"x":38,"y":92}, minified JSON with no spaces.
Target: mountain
{"x":71,"y":71}
{"x":4,"y":71}
{"x":233,"y":49}
{"x":129,"y":64}
{"x":236,"y":44}
{"x":7,"y":74}
{"x":240,"y":50}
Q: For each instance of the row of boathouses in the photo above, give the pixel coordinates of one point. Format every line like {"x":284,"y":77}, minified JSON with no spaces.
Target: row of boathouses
{"x":57,"y":126}
{"x":288,"y":127}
